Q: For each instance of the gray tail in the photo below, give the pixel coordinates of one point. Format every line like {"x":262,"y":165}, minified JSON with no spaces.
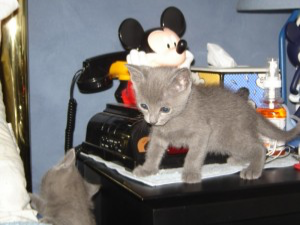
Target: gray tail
{"x":268,"y":129}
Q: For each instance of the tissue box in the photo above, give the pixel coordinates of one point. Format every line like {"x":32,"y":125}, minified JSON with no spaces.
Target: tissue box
{"x":235,"y":78}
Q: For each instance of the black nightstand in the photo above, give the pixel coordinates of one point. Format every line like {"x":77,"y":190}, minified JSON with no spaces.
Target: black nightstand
{"x":272,"y":199}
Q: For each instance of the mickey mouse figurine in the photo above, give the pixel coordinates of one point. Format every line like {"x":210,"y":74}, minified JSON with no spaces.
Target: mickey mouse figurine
{"x":293,"y":51}
{"x":160,"y":46}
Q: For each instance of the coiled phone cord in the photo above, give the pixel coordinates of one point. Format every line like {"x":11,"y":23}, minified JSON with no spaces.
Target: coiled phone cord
{"x":71,"y":116}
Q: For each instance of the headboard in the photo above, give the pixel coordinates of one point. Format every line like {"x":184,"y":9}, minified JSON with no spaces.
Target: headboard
{"x":14,"y":80}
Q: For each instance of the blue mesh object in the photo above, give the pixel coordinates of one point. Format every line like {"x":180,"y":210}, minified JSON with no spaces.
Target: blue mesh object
{"x":247,"y":80}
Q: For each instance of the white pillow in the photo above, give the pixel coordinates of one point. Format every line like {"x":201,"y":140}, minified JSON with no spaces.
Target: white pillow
{"x":14,"y":199}
{"x":6,"y":8}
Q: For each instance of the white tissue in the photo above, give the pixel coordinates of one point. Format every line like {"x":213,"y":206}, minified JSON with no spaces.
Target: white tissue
{"x":171,"y":176}
{"x":218,"y":57}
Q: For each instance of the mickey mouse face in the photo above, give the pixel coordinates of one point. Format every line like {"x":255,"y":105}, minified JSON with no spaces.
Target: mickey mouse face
{"x":163,"y":40}
{"x":166,"y":46}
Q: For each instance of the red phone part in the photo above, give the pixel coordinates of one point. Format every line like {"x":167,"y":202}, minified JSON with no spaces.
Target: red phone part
{"x":127,"y":95}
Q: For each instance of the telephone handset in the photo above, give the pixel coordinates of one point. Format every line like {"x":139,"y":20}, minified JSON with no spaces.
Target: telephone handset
{"x":95,"y":76}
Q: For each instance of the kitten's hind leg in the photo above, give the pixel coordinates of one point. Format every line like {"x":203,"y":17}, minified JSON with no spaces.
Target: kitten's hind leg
{"x":257,"y":159}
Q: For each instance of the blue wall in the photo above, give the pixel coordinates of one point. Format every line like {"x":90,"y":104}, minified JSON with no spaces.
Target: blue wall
{"x":64,"y":33}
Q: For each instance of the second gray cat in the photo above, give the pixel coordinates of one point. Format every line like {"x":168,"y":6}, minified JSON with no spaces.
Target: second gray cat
{"x":65,"y":197}
{"x":204,"y":119}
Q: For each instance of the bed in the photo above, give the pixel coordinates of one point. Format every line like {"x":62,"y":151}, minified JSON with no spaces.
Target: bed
{"x":14,"y":197}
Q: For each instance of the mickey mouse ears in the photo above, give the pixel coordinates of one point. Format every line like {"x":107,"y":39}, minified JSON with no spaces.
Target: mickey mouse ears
{"x":131,"y":32}
{"x":173,"y":19}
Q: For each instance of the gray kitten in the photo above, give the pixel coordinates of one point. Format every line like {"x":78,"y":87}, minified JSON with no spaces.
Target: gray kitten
{"x":65,"y":197}
{"x":204,"y":119}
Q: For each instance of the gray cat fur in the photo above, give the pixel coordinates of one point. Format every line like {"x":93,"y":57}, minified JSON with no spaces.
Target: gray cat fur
{"x":65,"y":197}
{"x":204,"y":119}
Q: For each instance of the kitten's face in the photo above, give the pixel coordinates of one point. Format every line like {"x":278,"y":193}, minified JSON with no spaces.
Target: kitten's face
{"x":156,"y":114}
{"x":161,"y":92}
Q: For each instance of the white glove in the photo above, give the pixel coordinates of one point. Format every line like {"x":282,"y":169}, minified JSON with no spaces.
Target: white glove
{"x":196,"y":79}
{"x":189,"y":57}
{"x":136,"y":57}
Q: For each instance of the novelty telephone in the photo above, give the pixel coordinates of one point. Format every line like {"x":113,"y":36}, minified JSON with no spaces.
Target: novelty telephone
{"x":119,"y":133}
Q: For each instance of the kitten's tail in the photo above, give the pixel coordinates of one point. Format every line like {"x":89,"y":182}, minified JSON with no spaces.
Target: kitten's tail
{"x":268,"y":129}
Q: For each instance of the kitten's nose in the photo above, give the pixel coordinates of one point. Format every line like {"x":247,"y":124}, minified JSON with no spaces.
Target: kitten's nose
{"x":152,"y":120}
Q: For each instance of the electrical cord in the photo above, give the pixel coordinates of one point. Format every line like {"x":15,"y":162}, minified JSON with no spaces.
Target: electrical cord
{"x":71,"y":115}
{"x":278,"y":155}
{"x":273,"y":154}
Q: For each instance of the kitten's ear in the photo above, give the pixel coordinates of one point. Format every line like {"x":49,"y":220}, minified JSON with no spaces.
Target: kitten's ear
{"x":181,"y":80}
{"x":136,"y":73}
{"x":69,"y":159}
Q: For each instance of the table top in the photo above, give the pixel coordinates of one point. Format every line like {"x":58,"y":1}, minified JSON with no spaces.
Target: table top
{"x":272,"y":182}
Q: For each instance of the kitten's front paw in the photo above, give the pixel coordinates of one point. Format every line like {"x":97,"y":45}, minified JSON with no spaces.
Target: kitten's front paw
{"x":191,"y":177}
{"x":142,"y":171}
{"x":250,"y":174}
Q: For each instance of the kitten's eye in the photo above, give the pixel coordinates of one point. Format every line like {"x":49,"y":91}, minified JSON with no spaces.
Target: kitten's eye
{"x":144,"y":106}
{"x":165,"y":109}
